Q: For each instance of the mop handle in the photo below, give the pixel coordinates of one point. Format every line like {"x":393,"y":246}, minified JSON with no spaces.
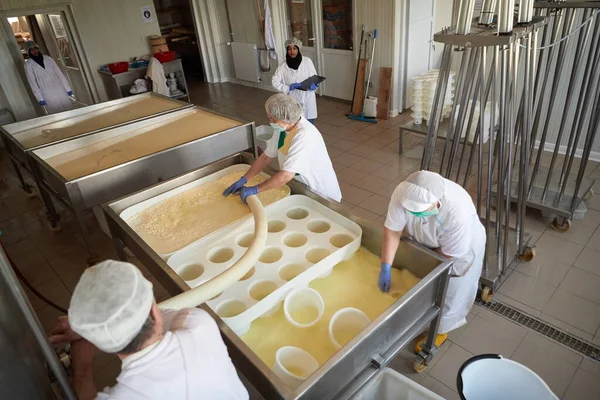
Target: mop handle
{"x":370,"y":67}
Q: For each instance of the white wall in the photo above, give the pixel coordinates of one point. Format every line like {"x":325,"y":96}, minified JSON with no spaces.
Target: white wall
{"x":110,"y":30}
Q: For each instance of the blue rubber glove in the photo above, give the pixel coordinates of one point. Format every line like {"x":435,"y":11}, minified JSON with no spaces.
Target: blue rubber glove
{"x":246,"y":191}
{"x":235,"y":187}
{"x":42,"y":103}
{"x":314,"y":86}
{"x":69,"y":93}
{"x":385,"y":277}
{"x":295,"y":86}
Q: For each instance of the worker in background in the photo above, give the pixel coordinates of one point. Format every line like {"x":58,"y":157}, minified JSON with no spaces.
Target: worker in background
{"x":48,"y":84}
{"x":165,"y":354}
{"x":291,"y":73}
{"x":300,"y":150}
{"x":439,"y":214}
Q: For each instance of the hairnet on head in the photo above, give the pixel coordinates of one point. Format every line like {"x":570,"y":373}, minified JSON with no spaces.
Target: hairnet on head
{"x":284,"y":108}
{"x":420,"y":190}
{"x":110,"y":304}
{"x":30,"y":44}
{"x":293,"y":41}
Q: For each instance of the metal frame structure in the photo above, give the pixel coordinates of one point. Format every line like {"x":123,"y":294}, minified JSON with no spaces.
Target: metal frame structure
{"x":358,"y":361}
{"x":80,"y":194}
{"x":490,"y":53}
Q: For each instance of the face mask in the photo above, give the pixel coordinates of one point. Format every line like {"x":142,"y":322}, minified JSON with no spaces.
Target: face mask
{"x":277,"y":127}
{"x":428,"y":213}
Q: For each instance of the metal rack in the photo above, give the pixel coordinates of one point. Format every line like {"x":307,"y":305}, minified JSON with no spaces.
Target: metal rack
{"x":496,"y":64}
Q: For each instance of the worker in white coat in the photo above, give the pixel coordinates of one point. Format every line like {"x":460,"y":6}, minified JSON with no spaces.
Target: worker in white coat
{"x":291,"y":73}
{"x":298,"y":146}
{"x":439,"y":214}
{"x":176,"y":355}
{"x":48,"y":84}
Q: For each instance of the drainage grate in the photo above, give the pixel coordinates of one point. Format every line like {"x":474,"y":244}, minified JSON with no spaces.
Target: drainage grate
{"x":543,"y":328}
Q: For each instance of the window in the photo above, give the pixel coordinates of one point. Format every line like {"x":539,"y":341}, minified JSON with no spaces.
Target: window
{"x":301,"y":21}
{"x":337,"y":24}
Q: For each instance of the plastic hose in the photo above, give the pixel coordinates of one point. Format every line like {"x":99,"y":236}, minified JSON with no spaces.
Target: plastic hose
{"x":212,"y":288}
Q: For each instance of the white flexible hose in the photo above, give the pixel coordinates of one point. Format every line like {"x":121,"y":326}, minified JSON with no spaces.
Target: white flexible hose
{"x":214,"y":287}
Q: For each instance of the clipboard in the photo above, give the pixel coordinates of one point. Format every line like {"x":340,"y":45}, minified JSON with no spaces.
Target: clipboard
{"x":316,"y":79}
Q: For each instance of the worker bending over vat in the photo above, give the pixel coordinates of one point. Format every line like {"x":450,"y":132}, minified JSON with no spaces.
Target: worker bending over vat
{"x":164,"y":354}
{"x":289,"y":75}
{"x":439,"y":214}
{"x":300,"y":150}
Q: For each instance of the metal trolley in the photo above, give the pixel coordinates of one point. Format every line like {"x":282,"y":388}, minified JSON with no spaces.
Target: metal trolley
{"x":496,"y":64}
{"x":349,"y":369}
{"x":83,"y":193}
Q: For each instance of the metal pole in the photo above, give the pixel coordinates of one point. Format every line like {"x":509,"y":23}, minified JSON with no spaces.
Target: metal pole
{"x":465,"y":16}
{"x":502,"y":134}
{"x":581,"y":42}
{"x":555,"y":83}
{"x":506,"y":10}
{"x":525,"y":11}
{"x":512,"y":68}
{"x":488,"y":9}
{"x":436,"y":112}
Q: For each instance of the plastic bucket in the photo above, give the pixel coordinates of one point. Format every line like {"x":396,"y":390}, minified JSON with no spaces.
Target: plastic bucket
{"x":293,"y":365}
{"x":303,"y":307}
{"x":370,"y":108}
{"x":492,"y":377}
{"x":346,"y":324}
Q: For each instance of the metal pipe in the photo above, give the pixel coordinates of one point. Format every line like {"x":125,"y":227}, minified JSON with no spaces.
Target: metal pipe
{"x":525,"y":14}
{"x":465,"y":16}
{"x":573,"y":139}
{"x":488,"y":10}
{"x":581,"y":43}
{"x":436,"y":112}
{"x":555,"y":83}
{"x":506,"y":11}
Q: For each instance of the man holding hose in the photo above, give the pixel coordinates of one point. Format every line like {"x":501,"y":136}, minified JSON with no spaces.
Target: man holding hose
{"x":164,"y":354}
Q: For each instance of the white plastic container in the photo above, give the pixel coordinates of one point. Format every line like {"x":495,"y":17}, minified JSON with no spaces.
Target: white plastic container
{"x":262,"y":135}
{"x":293,"y":365}
{"x":345,"y":324}
{"x":370,"y":108}
{"x":417,"y":106}
{"x":418,"y":82}
{"x":303,"y":307}
{"x":389,"y":384}
{"x":304,"y":236}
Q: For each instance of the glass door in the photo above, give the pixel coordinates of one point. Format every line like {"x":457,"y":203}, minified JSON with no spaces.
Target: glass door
{"x":58,"y":40}
{"x":300,"y":25}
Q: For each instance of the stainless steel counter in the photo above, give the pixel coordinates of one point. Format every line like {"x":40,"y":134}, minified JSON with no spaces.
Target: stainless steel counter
{"x":349,"y":369}
{"x":91,"y":190}
{"x":12,"y":133}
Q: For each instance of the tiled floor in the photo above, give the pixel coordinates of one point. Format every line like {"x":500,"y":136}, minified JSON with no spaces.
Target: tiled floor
{"x":560,"y":285}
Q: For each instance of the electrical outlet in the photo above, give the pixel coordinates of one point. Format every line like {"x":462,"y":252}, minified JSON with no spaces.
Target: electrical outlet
{"x":370,"y":84}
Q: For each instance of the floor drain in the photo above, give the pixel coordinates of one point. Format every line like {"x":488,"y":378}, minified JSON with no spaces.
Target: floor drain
{"x":539,"y":326}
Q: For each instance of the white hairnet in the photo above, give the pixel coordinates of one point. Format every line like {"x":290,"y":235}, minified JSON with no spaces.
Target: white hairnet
{"x":284,"y":108}
{"x":28,"y":45}
{"x":110,"y":304}
{"x":420,"y":190}
{"x":293,"y":41}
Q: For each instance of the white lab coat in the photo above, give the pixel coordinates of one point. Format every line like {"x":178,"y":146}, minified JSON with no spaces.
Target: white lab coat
{"x":459,"y":234}
{"x":49,"y":84}
{"x":305,"y":154}
{"x":285,"y":76}
{"x":189,"y":362}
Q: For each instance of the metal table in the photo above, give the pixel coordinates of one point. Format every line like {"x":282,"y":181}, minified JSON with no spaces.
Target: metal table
{"x":352,"y":367}
{"x":85,"y":192}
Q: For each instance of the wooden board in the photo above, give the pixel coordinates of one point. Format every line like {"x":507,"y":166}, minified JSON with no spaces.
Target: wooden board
{"x":359,"y":92}
{"x":385,"y":87}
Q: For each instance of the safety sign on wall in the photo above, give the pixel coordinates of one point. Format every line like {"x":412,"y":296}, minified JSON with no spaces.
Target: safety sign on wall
{"x":147,"y":14}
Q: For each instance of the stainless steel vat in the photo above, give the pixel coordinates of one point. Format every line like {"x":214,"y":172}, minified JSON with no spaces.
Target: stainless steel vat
{"x":91,"y":190}
{"x":349,"y":369}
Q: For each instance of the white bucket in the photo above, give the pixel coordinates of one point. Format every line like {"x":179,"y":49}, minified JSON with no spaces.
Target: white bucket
{"x":303,"y":307}
{"x":492,"y":377}
{"x":293,"y":365}
{"x":346,"y":324}
{"x":370,"y":108}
